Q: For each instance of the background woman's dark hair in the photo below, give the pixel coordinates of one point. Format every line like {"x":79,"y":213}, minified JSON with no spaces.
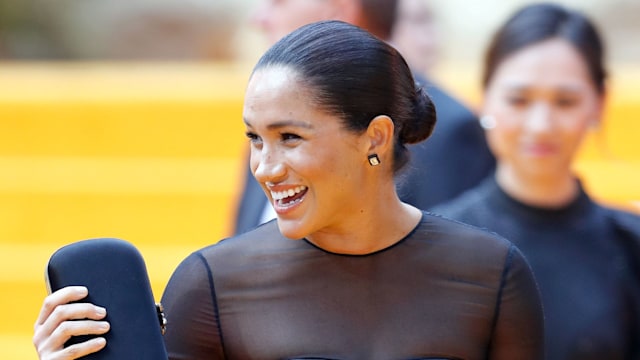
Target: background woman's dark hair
{"x":356,"y":76}
{"x":538,"y":22}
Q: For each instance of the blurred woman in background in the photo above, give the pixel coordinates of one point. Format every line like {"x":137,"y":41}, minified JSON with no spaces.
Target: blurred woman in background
{"x":544,"y":84}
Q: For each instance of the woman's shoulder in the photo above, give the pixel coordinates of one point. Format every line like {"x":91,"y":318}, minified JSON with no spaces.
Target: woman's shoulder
{"x":470,"y":203}
{"x":462,"y":236}
{"x":626,"y":226}
{"x":257,"y":240}
{"x":625,"y":221}
{"x":471,"y":253}
{"x":236,"y":252}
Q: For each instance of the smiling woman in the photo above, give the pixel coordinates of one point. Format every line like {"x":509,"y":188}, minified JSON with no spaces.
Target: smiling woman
{"x":347,"y":270}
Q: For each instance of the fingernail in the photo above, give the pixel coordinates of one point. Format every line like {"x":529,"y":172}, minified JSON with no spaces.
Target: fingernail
{"x":83,"y":290}
{"x":101,"y":311}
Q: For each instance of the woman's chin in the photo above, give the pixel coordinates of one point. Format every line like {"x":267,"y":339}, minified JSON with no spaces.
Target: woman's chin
{"x":291,"y":229}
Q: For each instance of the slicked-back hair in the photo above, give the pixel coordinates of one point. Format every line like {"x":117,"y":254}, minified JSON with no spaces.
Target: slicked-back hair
{"x":543,"y":21}
{"x":356,"y":76}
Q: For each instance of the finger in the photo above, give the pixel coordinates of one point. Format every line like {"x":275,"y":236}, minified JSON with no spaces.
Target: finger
{"x":63,"y":313}
{"x":88,"y":347}
{"x":77,"y":350}
{"x":85,"y":348}
{"x":64,"y":332}
{"x":62,"y":296}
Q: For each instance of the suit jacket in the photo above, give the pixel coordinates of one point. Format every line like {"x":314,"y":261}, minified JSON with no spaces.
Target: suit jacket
{"x":454,"y":158}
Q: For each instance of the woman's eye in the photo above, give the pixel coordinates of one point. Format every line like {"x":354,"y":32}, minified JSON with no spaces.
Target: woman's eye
{"x":289,"y":137}
{"x":566,"y":102}
{"x":516,"y":100}
{"x":253,"y":138}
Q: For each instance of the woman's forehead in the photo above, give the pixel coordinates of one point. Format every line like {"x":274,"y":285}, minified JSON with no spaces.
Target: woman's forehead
{"x":276,"y":94}
{"x":272,"y":77}
{"x":553,"y":62}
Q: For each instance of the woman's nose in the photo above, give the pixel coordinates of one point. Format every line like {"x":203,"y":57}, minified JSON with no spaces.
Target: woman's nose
{"x":268,"y":167}
{"x":539,"y":118}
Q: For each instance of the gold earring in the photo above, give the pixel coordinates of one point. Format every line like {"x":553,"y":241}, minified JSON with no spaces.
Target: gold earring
{"x":374,"y":159}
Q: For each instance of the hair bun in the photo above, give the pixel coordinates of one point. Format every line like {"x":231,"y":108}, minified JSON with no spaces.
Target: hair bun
{"x":423,"y":120}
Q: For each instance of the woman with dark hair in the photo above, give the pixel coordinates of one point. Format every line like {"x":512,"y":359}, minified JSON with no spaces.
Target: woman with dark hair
{"x":544,"y":83}
{"x":347,"y":271}
{"x":458,"y":150}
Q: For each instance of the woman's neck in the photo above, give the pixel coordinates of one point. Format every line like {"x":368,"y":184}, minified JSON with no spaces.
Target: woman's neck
{"x":377,"y":227}
{"x":552,"y":191}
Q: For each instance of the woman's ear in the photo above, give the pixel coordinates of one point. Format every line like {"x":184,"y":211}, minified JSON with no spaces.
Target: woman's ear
{"x":380,"y":135}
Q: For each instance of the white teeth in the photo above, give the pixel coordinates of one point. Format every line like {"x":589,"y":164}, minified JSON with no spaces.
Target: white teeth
{"x":279,"y":195}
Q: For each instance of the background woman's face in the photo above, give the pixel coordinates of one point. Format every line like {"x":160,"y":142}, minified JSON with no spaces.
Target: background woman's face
{"x":311,"y":168}
{"x":277,"y":18}
{"x":415,"y":34}
{"x":543,"y":100}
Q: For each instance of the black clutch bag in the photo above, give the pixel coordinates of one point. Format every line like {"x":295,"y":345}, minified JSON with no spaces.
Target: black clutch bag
{"x":115,"y":273}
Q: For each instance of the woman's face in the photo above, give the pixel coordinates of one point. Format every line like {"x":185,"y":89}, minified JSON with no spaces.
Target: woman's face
{"x":306,"y":162}
{"x":416,"y":35}
{"x":543,"y":100}
{"x":277,"y":18}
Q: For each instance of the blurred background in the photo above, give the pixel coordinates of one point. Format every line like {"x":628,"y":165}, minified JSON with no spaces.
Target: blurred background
{"x":123,"y":119}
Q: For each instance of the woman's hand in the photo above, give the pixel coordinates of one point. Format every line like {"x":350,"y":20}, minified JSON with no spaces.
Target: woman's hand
{"x":59,"y":321}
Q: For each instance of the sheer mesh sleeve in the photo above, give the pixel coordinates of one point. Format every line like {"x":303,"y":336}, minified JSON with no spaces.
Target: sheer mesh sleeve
{"x":519,"y":325}
{"x":189,"y":301}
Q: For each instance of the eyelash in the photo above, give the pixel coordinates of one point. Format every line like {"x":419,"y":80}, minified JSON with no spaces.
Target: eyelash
{"x":252,"y":137}
{"x":285,"y":137}
{"x":289,"y":136}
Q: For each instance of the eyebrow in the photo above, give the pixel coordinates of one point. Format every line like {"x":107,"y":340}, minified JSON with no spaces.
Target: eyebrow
{"x":525,"y":87}
{"x":284,"y":123}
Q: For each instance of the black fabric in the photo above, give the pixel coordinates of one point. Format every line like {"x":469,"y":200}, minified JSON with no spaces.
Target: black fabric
{"x":585,"y":267}
{"x":455,"y":158}
{"x":114,"y":272}
{"x":445,"y":291}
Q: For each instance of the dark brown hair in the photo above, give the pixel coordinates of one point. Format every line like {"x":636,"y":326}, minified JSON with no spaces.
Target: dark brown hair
{"x":538,"y":22}
{"x":356,"y":76}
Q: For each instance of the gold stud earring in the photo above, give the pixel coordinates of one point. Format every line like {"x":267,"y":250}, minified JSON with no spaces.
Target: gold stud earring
{"x":374,"y":159}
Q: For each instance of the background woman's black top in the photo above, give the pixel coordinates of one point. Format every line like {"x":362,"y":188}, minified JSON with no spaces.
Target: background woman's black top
{"x":585,"y":258}
{"x":445,"y":291}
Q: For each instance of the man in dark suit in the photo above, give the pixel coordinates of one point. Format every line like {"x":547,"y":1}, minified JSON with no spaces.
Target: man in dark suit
{"x":452,"y":160}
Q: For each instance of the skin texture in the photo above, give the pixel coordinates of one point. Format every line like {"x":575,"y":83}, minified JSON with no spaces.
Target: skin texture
{"x":276,"y":18}
{"x":297,"y":145}
{"x":543,"y":102}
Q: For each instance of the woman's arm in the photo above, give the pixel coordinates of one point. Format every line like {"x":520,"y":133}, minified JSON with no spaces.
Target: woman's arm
{"x":519,"y":323}
{"x":189,"y":301}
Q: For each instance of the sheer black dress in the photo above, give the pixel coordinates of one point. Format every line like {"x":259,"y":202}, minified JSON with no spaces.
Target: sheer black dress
{"x":445,"y":291}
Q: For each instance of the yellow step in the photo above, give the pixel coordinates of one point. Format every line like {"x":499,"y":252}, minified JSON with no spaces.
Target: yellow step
{"x":154,"y":154}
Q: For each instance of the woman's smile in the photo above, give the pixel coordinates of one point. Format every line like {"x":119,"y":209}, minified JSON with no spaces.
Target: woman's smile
{"x":285,"y":200}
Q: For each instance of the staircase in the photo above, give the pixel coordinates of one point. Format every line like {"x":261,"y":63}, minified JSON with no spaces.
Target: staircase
{"x":154,"y":154}
{"x":147,"y":153}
